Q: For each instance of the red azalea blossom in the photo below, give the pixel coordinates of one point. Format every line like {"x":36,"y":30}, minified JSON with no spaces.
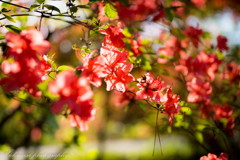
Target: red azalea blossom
{"x":232,"y":72}
{"x":29,"y":43}
{"x":222,"y":43}
{"x":171,"y":47}
{"x":123,"y":98}
{"x":230,"y":125}
{"x":76,"y":94}
{"x":210,"y":156}
{"x":138,"y":9}
{"x":199,"y":3}
{"x":119,"y":77}
{"x":113,"y":37}
{"x":194,"y":33}
{"x":222,"y":112}
{"x":79,"y":116}
{"x":135,"y":44}
{"x":179,"y":11}
{"x":199,"y":91}
{"x":24,"y":74}
{"x":112,"y":56}
{"x":93,"y":69}
{"x":203,"y":65}
{"x":172,"y":107}
{"x":30,"y":66}
{"x":150,"y":88}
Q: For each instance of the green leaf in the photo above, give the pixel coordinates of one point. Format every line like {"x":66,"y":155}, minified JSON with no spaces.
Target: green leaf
{"x":5,"y":10}
{"x":110,"y":11}
{"x":82,"y":6}
{"x":73,"y":9}
{"x":169,"y":14}
{"x":63,"y":68}
{"x":9,"y":18}
{"x":142,"y":106}
{"x":40,"y":1}
{"x":186,"y":110}
{"x":199,"y":137}
{"x":13,"y":28}
{"x":53,"y":8}
{"x":2,"y":37}
{"x":34,"y":6}
{"x":92,"y":1}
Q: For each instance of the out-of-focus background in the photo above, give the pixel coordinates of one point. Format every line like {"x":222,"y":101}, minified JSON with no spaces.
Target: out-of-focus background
{"x":123,"y":132}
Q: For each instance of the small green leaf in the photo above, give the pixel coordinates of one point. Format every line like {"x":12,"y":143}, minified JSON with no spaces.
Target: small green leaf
{"x":63,"y":68}
{"x":110,"y":11}
{"x":40,"y":1}
{"x":34,"y":6}
{"x":142,"y":106}
{"x":2,"y":37}
{"x":9,"y":18}
{"x":82,"y":6}
{"x":186,"y":110}
{"x":53,"y":8}
{"x":169,"y":14}
{"x":92,"y":1}
{"x":5,"y":10}
{"x":199,"y":137}
{"x":13,"y":28}
{"x":73,"y":9}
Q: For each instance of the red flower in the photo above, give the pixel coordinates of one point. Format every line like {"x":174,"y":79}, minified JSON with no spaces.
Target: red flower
{"x":113,"y":37}
{"x":203,"y":65}
{"x":79,"y":116}
{"x":93,"y":69}
{"x":222,"y":43}
{"x":123,"y":98}
{"x":194,"y":34}
{"x":172,"y":107}
{"x":199,"y":91}
{"x":75,"y":93}
{"x":135,"y":44}
{"x":222,"y":156}
{"x":112,"y":57}
{"x":24,"y":74}
{"x":150,"y":88}
{"x":29,"y":43}
{"x":222,"y":112}
{"x":30,"y":66}
{"x":199,"y":3}
{"x":232,"y":72}
{"x":171,"y":47}
{"x":119,"y":77}
{"x":138,"y":9}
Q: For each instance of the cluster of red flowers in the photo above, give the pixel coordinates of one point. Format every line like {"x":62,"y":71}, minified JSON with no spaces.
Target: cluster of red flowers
{"x":26,"y":65}
{"x":210,"y":156}
{"x":112,"y":65}
{"x":76,"y":93}
{"x":199,"y":72}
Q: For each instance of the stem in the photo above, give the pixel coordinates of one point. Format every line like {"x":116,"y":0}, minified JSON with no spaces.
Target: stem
{"x":45,"y":16}
{"x":15,"y":5}
{"x":48,"y":15}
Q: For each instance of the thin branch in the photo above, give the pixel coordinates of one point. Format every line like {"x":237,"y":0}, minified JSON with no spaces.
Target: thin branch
{"x":15,"y":5}
{"x":19,"y":15}
{"x":48,"y":15}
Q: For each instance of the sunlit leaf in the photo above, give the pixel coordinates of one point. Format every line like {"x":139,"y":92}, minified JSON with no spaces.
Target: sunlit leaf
{"x":34,"y":6}
{"x":9,"y":18}
{"x":40,"y":1}
{"x":5,"y":10}
{"x":63,"y":68}
{"x":53,"y":8}
{"x":13,"y":28}
{"x":110,"y":11}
